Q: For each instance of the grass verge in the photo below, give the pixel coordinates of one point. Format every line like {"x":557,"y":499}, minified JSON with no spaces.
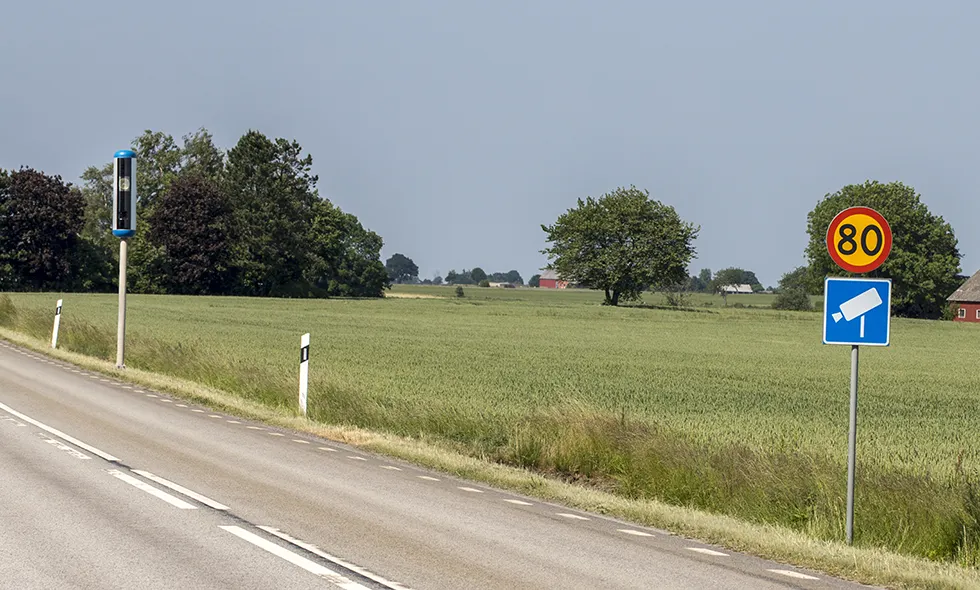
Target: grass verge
{"x":867,"y":565}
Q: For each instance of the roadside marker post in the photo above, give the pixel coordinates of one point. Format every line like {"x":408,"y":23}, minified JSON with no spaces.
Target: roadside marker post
{"x":123,"y":227}
{"x":57,"y":324}
{"x":857,"y":311}
{"x":304,"y":371}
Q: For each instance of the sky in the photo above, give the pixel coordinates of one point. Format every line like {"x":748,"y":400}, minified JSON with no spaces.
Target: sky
{"x":454,"y":129}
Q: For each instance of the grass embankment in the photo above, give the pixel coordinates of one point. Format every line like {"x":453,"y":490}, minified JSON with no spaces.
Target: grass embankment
{"x":737,"y":412}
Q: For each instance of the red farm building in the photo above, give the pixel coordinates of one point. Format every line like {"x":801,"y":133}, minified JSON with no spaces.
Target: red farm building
{"x":549,"y":280}
{"x":966,"y":301}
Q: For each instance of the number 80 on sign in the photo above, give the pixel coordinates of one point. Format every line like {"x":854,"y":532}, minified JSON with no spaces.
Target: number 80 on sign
{"x":859,"y":239}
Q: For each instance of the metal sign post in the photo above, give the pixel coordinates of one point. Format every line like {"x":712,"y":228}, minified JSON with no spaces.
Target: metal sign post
{"x":858,"y":240}
{"x":123,"y":227}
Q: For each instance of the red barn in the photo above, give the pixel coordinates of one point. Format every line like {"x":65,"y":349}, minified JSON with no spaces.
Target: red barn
{"x":966,"y":301}
{"x":549,"y":280}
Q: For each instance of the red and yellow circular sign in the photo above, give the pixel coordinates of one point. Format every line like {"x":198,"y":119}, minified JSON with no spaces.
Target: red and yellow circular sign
{"x":859,"y":239}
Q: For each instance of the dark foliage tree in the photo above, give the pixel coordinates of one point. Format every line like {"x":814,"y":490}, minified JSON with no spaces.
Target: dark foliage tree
{"x":535,"y":281}
{"x":273,"y":194}
{"x":41,"y":219}
{"x":924,"y":260}
{"x":478,"y":275}
{"x":346,"y":258}
{"x":621,"y":243}
{"x":401,"y":269}
{"x":191,"y":222}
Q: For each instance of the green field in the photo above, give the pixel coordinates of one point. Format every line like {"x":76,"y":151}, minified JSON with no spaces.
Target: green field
{"x":739,"y":411}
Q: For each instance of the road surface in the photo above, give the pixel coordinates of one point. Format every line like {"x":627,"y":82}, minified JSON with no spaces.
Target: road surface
{"x":107,"y":485}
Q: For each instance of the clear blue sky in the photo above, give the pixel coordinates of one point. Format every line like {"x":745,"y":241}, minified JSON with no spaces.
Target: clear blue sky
{"x":454,"y":129}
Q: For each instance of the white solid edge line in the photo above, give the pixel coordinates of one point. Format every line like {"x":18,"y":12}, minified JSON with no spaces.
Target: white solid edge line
{"x":180,"y":489}
{"x":707,"y":551}
{"x":310,"y":566}
{"x":59,"y":434}
{"x":792,"y":574}
{"x":142,"y":485}
{"x":336,"y":560}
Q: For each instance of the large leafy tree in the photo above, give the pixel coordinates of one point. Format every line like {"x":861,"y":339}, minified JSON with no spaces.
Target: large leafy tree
{"x":346,"y":257}
{"x":41,"y":219}
{"x":924,"y":260}
{"x":191,"y":221}
{"x":621,"y":243}
{"x":401,"y":269}
{"x":273,"y":194}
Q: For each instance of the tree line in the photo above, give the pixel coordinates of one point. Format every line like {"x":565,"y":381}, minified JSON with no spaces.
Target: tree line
{"x":403,"y":270}
{"x":624,"y":243}
{"x":247,"y":222}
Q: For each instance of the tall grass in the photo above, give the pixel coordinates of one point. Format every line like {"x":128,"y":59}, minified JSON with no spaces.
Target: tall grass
{"x":739,"y":412}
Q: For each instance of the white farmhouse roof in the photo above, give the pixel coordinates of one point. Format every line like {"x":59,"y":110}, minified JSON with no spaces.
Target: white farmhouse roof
{"x":550,"y":274}
{"x":737,"y":289}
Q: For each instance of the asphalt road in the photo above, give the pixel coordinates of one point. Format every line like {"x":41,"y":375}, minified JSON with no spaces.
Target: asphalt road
{"x":107,"y":485}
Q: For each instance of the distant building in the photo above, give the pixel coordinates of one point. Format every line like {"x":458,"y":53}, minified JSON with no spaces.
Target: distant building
{"x":732,"y":289}
{"x":966,"y":300}
{"x":503,"y":285}
{"x":550,"y":280}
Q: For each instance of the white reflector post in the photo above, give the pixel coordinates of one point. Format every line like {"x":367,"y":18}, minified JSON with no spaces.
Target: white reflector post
{"x":304,"y":370}
{"x":57,"y":324}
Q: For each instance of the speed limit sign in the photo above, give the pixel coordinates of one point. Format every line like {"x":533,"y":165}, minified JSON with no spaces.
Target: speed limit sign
{"x":859,"y":239}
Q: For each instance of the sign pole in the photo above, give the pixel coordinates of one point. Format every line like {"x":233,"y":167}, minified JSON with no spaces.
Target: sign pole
{"x":121,"y":331}
{"x":123,"y":227}
{"x":852,"y":444}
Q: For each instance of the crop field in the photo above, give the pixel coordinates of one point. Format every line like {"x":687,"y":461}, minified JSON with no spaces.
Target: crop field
{"x":732,"y":410}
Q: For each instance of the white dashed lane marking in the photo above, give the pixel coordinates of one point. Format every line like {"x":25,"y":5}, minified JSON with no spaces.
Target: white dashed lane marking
{"x":792,"y":574}
{"x":707,"y":551}
{"x":572,"y":516}
{"x":310,"y":566}
{"x":275,"y":434}
{"x":251,"y":427}
{"x":634,"y":533}
{"x":142,"y":485}
{"x":328,"y":449}
{"x":302,"y":442}
{"x":518,"y":502}
{"x":355,"y":458}
{"x":198,"y":411}
{"x":427,"y":478}
{"x":391,"y":468}
{"x":472,"y":490}
{"x":181,"y":489}
{"x":152,"y":395}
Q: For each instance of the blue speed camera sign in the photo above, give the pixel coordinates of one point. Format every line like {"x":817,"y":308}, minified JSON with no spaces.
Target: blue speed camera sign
{"x":857,"y":311}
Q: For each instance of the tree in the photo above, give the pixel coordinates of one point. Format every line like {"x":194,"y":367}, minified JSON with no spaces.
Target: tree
{"x":797,"y":279}
{"x":273,"y":194}
{"x":345,"y":258}
{"x":401,"y":269}
{"x":199,"y":155}
{"x":705,"y":277}
{"x":192,"y":221}
{"x":41,"y":218}
{"x":924,"y":260}
{"x":535,"y":281}
{"x":622,"y":243}
{"x":437,"y":280}
{"x":478,"y":275}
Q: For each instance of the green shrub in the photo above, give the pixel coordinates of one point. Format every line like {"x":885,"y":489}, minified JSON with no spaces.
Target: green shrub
{"x":459,"y":291}
{"x":792,"y":300}
{"x":484,"y":283}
